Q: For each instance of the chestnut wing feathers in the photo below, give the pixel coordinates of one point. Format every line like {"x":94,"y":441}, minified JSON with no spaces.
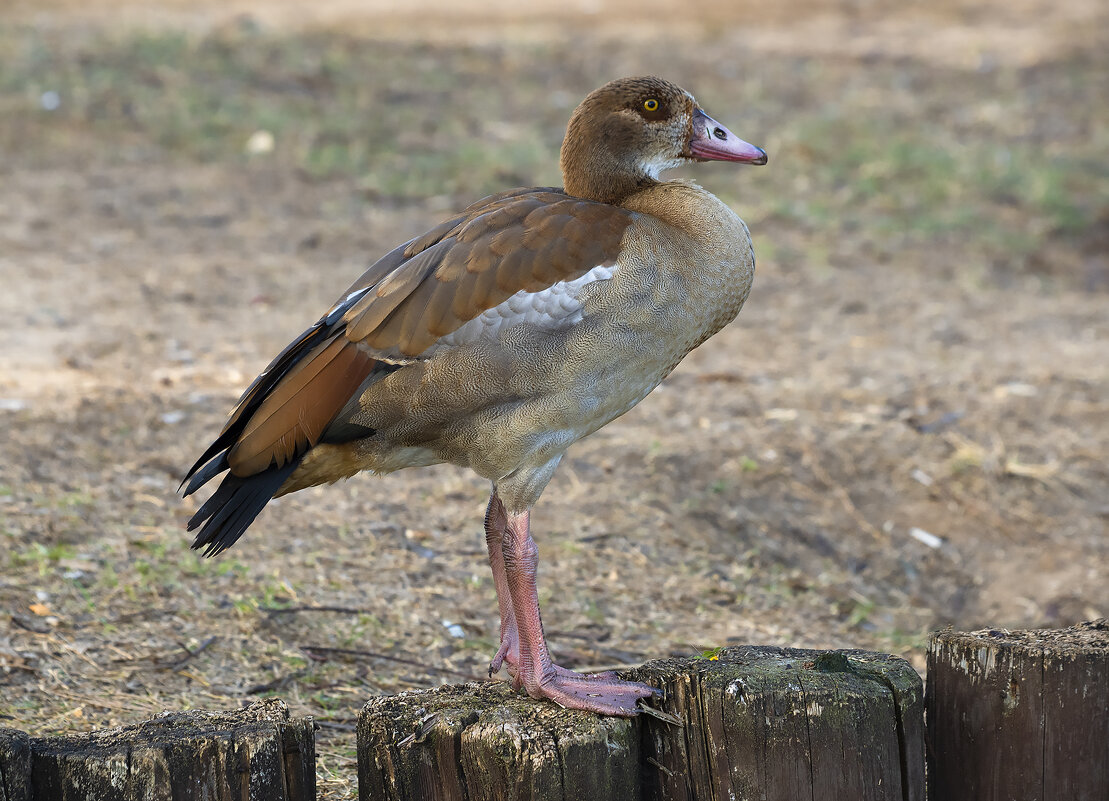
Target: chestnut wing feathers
{"x":525,"y":239}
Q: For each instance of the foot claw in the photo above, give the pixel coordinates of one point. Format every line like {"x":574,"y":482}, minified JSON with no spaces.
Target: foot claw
{"x":498,"y":660}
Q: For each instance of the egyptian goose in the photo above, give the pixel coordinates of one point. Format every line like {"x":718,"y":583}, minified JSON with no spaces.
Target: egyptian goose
{"x":498,"y":339}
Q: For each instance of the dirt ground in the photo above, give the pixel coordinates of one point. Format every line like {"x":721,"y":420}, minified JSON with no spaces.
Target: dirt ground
{"x":906,"y":428}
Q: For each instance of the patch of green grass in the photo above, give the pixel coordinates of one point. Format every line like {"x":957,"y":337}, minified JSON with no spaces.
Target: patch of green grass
{"x":107,"y":577}
{"x":898,"y":641}
{"x":569,"y":547}
{"x":328,"y":702}
{"x":293,"y":661}
{"x":334,"y":106}
{"x":247,"y":606}
{"x":992,"y":160}
{"x":916,"y":182}
{"x":860,"y":612}
{"x":481,"y":646}
{"x":594,"y":612}
{"x":43,"y":559}
{"x":74,"y":500}
{"x":154,"y":575}
{"x":276,"y":593}
{"x":196,"y":565}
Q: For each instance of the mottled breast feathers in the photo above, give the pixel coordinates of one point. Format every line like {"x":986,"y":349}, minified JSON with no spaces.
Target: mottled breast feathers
{"x":523,"y":240}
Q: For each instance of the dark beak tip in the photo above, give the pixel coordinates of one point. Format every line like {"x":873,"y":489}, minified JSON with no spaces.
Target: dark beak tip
{"x":711,"y":141}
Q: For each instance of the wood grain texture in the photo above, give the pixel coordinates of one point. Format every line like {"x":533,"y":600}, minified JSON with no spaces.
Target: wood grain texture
{"x":1019,"y":714}
{"x":776,"y":723}
{"x":251,"y":754}
{"x":758,"y":723}
{"x":485,"y":741}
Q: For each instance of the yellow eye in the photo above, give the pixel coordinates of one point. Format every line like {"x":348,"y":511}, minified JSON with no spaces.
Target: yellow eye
{"x":650,"y":105}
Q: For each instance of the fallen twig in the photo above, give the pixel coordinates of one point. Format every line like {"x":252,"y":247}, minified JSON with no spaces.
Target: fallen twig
{"x":319,"y":649}
{"x":288,"y":610}
{"x":665,"y":717}
{"x":423,"y":728}
{"x":189,"y":655}
{"x":337,"y":725}
{"x":277,"y":684}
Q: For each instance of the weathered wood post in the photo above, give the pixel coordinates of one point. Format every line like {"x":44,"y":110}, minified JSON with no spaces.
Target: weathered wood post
{"x":756,"y":723}
{"x":1019,"y":715}
{"x":255,"y":754}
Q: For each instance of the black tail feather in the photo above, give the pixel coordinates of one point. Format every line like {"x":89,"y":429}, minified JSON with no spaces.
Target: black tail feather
{"x":199,"y":478}
{"x":233,"y":506}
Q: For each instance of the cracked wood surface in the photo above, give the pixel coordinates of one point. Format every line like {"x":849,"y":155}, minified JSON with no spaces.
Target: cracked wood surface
{"x":758,"y":722}
{"x":1019,"y":714}
{"x":251,"y":754}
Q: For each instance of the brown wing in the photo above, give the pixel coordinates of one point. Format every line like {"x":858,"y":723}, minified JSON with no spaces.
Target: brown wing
{"x":523,"y":240}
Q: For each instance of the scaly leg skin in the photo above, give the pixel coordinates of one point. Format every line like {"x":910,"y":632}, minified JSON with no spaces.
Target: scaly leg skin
{"x":509,"y":653}
{"x":523,"y":644}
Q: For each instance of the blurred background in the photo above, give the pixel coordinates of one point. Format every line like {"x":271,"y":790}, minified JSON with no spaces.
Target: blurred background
{"x":904,"y":429}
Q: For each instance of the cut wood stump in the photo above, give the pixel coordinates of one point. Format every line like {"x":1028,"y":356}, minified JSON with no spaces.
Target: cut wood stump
{"x":252,"y":753}
{"x":1019,"y":715}
{"x":761,"y":723}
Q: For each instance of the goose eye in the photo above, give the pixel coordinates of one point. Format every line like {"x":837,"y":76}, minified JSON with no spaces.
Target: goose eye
{"x":650,"y":104}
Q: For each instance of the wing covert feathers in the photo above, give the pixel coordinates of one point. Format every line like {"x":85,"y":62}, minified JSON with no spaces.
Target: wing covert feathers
{"x":523,"y":240}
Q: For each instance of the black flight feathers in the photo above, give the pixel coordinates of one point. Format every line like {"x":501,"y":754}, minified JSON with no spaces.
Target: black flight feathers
{"x":225,"y":516}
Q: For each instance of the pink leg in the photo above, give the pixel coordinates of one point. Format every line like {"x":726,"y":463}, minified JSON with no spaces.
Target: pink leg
{"x":508,"y":655}
{"x":495,"y":523}
{"x":604,"y":694}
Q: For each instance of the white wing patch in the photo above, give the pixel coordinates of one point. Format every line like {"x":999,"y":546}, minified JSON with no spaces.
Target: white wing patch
{"x":557,"y":305}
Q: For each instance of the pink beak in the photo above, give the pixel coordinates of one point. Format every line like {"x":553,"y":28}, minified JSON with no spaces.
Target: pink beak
{"x":711,"y":141}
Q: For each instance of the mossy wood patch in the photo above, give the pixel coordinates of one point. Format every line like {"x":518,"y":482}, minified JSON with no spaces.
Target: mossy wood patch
{"x":757,"y":723}
{"x":255,"y":753}
{"x":1019,"y":714}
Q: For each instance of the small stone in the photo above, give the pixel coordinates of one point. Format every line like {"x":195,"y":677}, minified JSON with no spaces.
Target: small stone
{"x":260,"y":143}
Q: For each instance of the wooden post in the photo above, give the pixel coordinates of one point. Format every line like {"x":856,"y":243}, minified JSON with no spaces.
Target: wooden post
{"x":15,"y":766}
{"x":755,"y":723}
{"x":1019,"y":714}
{"x":252,"y":753}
